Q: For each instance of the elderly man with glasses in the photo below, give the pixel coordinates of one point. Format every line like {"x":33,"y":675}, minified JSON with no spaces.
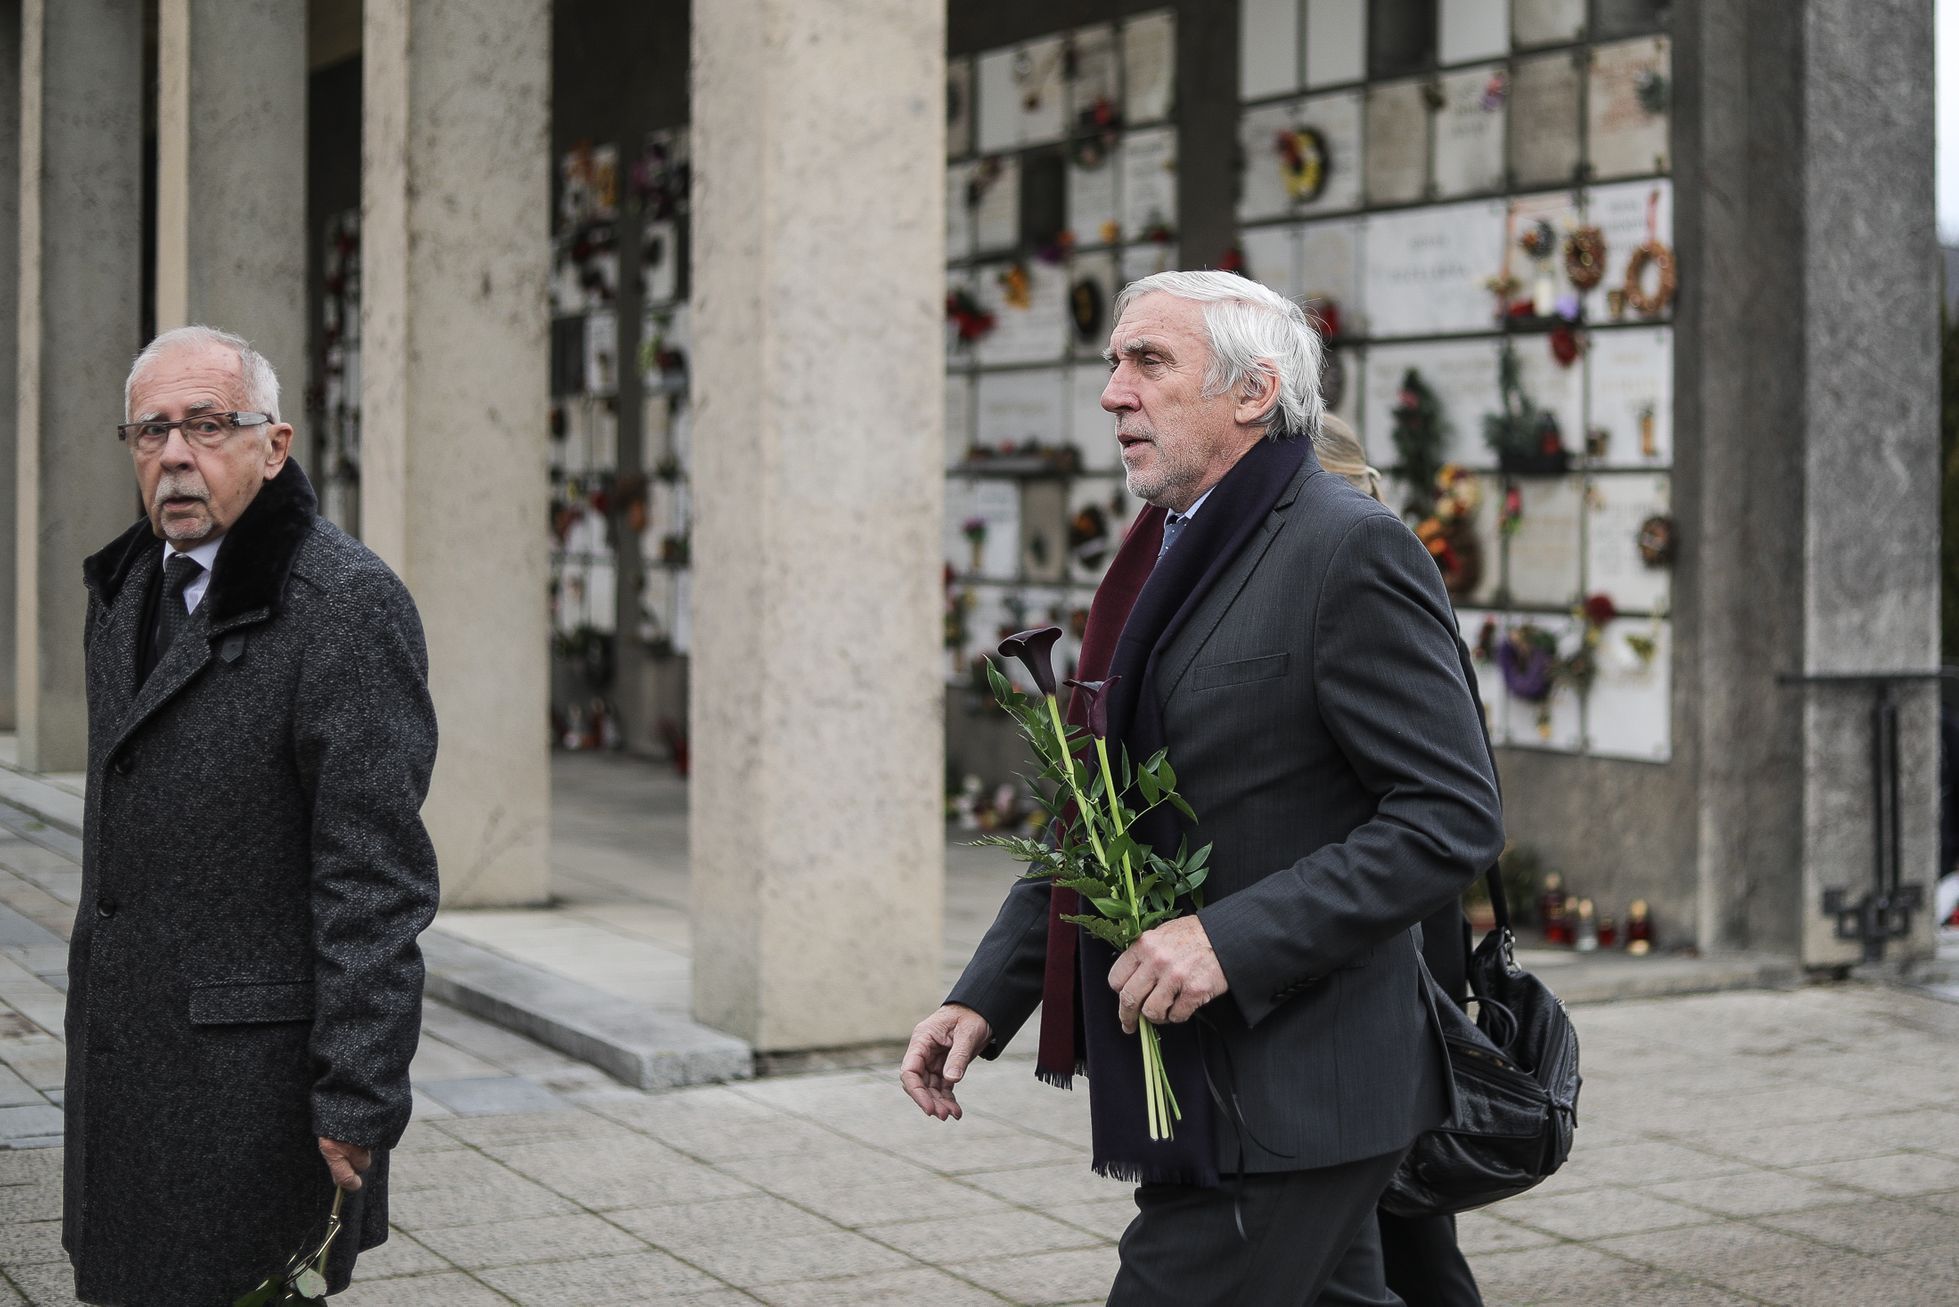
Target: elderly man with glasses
{"x":244,"y":982}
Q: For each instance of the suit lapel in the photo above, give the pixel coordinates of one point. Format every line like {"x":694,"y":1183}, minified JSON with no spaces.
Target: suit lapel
{"x":117,"y":643}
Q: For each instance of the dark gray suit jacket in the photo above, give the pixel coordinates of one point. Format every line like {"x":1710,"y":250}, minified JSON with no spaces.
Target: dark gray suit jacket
{"x":1316,"y":712}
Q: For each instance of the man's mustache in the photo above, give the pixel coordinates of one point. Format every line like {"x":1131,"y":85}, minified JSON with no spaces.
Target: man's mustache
{"x":179,"y":490}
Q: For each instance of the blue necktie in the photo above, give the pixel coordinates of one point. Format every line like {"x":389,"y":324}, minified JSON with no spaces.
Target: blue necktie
{"x":1171,"y":526}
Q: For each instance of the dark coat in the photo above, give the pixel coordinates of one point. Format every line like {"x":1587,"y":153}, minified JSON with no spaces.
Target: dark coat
{"x":1322,"y":729}
{"x":243,"y":974}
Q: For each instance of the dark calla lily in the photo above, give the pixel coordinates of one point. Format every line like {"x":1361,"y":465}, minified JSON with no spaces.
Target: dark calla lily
{"x":1035,"y":649}
{"x":1095,"y":700}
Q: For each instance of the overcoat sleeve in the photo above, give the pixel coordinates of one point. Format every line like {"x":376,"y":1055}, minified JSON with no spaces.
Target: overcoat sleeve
{"x":1390,"y":689}
{"x":365,"y":744}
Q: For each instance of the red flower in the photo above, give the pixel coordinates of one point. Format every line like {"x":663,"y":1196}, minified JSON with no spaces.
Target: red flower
{"x":1599,"y":609}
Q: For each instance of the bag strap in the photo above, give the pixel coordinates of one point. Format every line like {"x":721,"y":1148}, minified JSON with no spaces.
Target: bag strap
{"x":1491,"y":878}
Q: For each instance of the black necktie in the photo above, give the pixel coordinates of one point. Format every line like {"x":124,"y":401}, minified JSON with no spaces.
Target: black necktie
{"x":178,"y":572}
{"x":1171,"y":526}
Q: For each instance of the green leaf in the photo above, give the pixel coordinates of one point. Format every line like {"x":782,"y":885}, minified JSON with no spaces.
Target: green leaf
{"x":1147,"y":784}
{"x":1166,"y":773}
{"x":1110,"y":907}
{"x":1103,"y":929}
{"x":1156,"y":760}
{"x":1199,"y":858}
{"x":1003,"y":690}
{"x":1177,"y":802}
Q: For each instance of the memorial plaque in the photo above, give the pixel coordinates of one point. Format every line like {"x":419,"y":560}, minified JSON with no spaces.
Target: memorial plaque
{"x":1474,"y":29}
{"x":996,"y":218}
{"x":1040,"y":91}
{"x":1091,"y":428}
{"x":1462,"y":373}
{"x":958,"y":108}
{"x":1271,"y":257}
{"x":958,"y":418}
{"x":1268,"y":48}
{"x":1469,"y":131}
{"x":1615,"y":508}
{"x":1343,"y":395}
{"x":1629,"y":711}
{"x":1149,"y":61}
{"x":1019,"y":406}
{"x":1263,"y":193}
{"x":1094,"y":214}
{"x":1626,"y":213}
{"x":1043,"y":533}
{"x":1097,"y":73}
{"x":996,"y":109}
{"x":1544,"y":120}
{"x":1489,"y":677}
{"x":995,"y":501}
{"x":1336,"y":42}
{"x":1092,"y":287}
{"x":1146,"y":259}
{"x":1556,"y":389}
{"x":1337,"y":119}
{"x":1100,"y":511}
{"x":1032,"y":332}
{"x":1544,"y":555}
{"x":1628,"y":136}
{"x":1329,"y":269}
{"x":1546,"y":22}
{"x":1398,"y":121}
{"x":1632,"y":396}
{"x":1554,"y":724}
{"x":958,"y":217}
{"x":1148,"y":166}
{"x":1425,"y":269}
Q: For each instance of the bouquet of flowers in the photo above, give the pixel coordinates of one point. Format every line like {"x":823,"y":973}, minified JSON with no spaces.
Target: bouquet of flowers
{"x":1126,"y":887}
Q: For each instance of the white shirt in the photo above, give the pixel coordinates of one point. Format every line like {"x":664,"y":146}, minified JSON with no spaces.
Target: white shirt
{"x":1192,"y":510}
{"x":206,"y":554}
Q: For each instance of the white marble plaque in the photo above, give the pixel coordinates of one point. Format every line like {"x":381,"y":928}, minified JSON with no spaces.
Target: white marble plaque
{"x":1098,"y":269}
{"x":1146,"y":259}
{"x":1546,"y":22}
{"x":1093,"y":212}
{"x":958,"y":418}
{"x":1398,"y":121}
{"x":1043,"y":531}
{"x":1271,"y":258}
{"x":1544,"y":120}
{"x":1262,"y":193}
{"x":1625,"y":213}
{"x":996,"y":109}
{"x":1614,"y":508}
{"x":601,"y":353}
{"x":1032,"y":333}
{"x":1149,"y":60}
{"x":1337,"y":118}
{"x":1015,"y":407}
{"x":1544,"y":554}
{"x":1097,"y":72}
{"x":1626,"y":139}
{"x":1462,"y":373}
{"x":996,"y":218}
{"x":994,"y":501}
{"x":1352,"y":368}
{"x":1329,"y":269}
{"x":1555,"y":724}
{"x":1473,"y":29}
{"x":1558,"y":390}
{"x":1425,"y":269}
{"x":1629,"y":711}
{"x":1632,"y":395}
{"x":1107,"y":498}
{"x":958,"y":108}
{"x":1149,"y":180}
{"x":958,"y":217}
{"x":1489,"y":677}
{"x":1336,"y":42}
{"x":1091,"y":428}
{"x":1268,"y":47}
{"x":1469,"y":131}
{"x":1040,"y":91}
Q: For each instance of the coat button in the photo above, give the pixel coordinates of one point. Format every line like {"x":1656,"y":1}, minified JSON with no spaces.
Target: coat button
{"x":122,"y":766}
{"x":106,"y":908}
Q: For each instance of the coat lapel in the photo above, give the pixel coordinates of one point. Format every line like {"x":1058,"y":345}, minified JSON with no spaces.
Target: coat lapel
{"x":118,"y":640}
{"x":180,"y":663}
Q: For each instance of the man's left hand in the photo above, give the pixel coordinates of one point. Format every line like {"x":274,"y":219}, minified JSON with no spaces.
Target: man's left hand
{"x":345,"y":1162}
{"x":1167,"y":974}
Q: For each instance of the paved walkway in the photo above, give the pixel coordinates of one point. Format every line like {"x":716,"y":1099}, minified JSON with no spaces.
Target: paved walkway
{"x":1797,"y":1147}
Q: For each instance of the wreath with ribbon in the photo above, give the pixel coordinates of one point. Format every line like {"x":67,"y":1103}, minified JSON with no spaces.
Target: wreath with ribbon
{"x":1087,"y":306}
{"x":1656,"y":541}
{"x":1304,"y":161}
{"x":1655,"y":255}
{"x":1584,"y":257}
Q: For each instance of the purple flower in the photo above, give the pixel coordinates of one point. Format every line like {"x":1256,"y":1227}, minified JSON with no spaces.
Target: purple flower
{"x":1035,"y":651}
{"x":1095,"y":703}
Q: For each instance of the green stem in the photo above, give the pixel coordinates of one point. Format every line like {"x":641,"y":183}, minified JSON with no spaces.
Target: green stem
{"x":1115,"y":817}
{"x":1082,"y":805}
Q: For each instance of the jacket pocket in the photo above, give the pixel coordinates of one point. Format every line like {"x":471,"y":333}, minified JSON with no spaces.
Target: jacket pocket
{"x":1215,"y":676}
{"x":246,"y":1002}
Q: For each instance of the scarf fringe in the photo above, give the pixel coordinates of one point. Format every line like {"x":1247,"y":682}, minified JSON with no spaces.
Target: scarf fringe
{"x":1061,"y":1079}
{"x":1128,"y":1172}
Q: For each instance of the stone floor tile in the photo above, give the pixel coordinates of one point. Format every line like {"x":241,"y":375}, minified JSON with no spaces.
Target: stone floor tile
{"x":1644,"y":1163}
{"x":400,"y":1255}
{"x":1875,"y":1226}
{"x":36,"y":1121}
{"x":527,"y":1128}
{"x":23,"y":1243}
{"x":532,"y":1239}
{"x":800,"y":1257}
{"x":14,"y":1091}
{"x":1597,"y":1213}
{"x":779,"y":1136}
{"x":1106,"y":1218}
{"x":35,"y":1167}
{"x":680,"y":1227}
{"x":965,"y":1153}
{"x":1849,"y":1279}
{"x":1562,"y":1274}
{"x":1045,"y":1278}
{"x":1733,"y":1248}
{"x":913,"y":1287}
{"x":50,"y":1284}
{"x":648,"y":1277}
{"x":1045,"y":1186}
{"x":629,"y":1171}
{"x":1752,"y":1193}
{"x":814,"y":1174}
{"x":911,"y":1199}
{"x":1899,"y":1175}
{"x":491,"y":1095}
{"x":511,"y":1198}
{"x":449,"y":1289}
{"x":947,"y":1241}
{"x":1481,"y":1232}
{"x":436,"y":1059}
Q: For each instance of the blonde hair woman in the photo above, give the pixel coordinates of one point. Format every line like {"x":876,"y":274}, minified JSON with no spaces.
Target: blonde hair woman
{"x":1339,"y":452}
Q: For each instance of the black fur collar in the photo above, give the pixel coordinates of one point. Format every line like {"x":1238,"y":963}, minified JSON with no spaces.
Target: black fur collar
{"x":254,"y":561}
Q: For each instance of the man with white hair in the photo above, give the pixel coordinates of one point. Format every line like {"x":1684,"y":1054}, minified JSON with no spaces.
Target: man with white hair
{"x":244,"y":982}
{"x":1288,"y":641}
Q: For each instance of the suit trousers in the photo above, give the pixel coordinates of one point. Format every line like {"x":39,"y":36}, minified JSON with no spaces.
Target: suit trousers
{"x":1309,"y":1238}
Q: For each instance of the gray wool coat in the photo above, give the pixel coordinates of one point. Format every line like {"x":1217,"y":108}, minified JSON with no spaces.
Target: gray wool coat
{"x":243,"y":974}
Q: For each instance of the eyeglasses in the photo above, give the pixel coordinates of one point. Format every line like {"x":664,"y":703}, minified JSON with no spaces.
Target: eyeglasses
{"x":203,"y":430}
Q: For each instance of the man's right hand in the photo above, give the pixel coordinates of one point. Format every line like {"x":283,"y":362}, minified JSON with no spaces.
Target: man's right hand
{"x":941,"y":1047}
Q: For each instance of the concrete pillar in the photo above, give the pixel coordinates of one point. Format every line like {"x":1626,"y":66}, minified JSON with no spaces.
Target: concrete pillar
{"x":231,"y":176}
{"x":455,"y":246}
{"x":1807,"y":483}
{"x":81,"y":213}
{"x":9,"y":325}
{"x":816,"y":804}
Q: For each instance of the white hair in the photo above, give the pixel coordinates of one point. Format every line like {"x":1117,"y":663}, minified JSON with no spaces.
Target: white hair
{"x":1254,"y":332}
{"x":260,"y":383}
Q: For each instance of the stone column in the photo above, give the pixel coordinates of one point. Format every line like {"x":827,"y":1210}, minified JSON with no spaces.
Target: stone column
{"x":231,"y":176}
{"x":816,"y":804}
{"x":81,"y":212}
{"x":455,"y":246}
{"x":9,"y":325}
{"x":1807,"y":420}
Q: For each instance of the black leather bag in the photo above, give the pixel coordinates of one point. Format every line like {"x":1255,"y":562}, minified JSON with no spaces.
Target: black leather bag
{"x":1516,"y":1077}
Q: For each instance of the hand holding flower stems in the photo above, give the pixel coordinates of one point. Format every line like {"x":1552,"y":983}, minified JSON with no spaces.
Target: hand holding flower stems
{"x":1130,"y":886}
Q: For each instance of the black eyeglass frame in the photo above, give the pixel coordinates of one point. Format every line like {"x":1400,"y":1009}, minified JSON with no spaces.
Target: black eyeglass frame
{"x":232,"y":420}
